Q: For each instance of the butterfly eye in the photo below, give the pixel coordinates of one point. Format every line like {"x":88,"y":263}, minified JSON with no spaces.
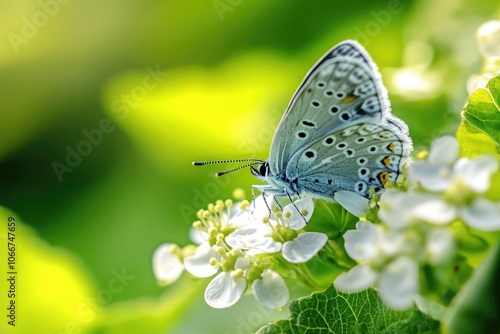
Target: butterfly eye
{"x":263,"y":169}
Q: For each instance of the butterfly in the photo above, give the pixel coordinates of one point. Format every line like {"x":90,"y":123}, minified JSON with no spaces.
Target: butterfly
{"x":337,"y":133}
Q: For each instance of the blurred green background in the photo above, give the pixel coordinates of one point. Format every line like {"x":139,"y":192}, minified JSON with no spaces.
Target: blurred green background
{"x":143,"y":88}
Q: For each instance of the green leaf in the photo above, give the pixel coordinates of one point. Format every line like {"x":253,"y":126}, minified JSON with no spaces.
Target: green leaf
{"x":474,"y":142}
{"x":333,"y":312}
{"x":476,"y":308}
{"x":482,"y":110}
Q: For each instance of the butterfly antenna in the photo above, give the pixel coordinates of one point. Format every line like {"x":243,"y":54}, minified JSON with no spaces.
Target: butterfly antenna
{"x":235,"y":169}
{"x":202,"y":163}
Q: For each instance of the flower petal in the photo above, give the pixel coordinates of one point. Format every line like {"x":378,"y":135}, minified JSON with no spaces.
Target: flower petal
{"x":260,"y":207}
{"x":166,"y":266}
{"x":444,"y":150}
{"x":352,"y":202}
{"x":434,"y":209}
{"x":359,"y":278}
{"x":198,"y":264}
{"x":197,"y":236}
{"x":430,"y":176}
{"x":482,"y":214}
{"x":440,"y":245}
{"x":361,"y":244}
{"x":293,"y":210}
{"x":224,"y":291}
{"x":271,"y":291}
{"x":476,"y":173}
{"x":394,"y":207}
{"x":303,"y":247}
{"x":398,"y":283}
{"x":254,"y":237}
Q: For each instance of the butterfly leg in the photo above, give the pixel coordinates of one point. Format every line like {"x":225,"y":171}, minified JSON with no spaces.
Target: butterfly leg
{"x":268,"y":190}
{"x":291,"y":201}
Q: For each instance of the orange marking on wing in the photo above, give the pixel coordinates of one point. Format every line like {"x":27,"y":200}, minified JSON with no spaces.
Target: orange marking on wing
{"x":383,"y":177}
{"x":387,"y":161}
{"x":349,"y":98}
{"x":391,"y":147}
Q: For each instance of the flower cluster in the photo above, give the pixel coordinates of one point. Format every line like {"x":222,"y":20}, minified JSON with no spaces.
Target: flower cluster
{"x":245,"y":244}
{"x":413,"y":224}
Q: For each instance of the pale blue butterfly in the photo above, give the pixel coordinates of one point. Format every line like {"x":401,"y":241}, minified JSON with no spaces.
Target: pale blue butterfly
{"x":337,"y":133}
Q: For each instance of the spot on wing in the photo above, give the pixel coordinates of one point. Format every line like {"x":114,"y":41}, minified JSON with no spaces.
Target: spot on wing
{"x":383,"y":177}
{"x":386,"y":161}
{"x":361,"y":188}
{"x":349,"y":98}
{"x":362,"y":161}
{"x":302,"y":134}
{"x":371,"y":105}
{"x":342,"y":69}
{"x":360,"y":140}
{"x":345,"y":116}
{"x":329,"y":141}
{"x":363,"y":172}
{"x":315,"y":103}
{"x":365,"y":89}
{"x":310,"y":154}
{"x":340,"y":146}
{"x":372,"y":149}
{"x":358,"y":75}
{"x":320,"y":84}
{"x":310,"y":124}
{"x":394,"y":147}
{"x":334,"y":110}
{"x":349,"y":153}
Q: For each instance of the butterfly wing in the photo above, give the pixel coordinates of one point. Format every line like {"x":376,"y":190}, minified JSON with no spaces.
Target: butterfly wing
{"x":344,"y":87}
{"x":357,"y":158}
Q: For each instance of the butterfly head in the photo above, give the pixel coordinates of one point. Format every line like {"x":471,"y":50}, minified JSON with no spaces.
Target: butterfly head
{"x":260,"y":170}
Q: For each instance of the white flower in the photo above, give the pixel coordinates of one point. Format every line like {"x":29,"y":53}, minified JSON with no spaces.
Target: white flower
{"x":461,"y":182}
{"x":271,"y":291}
{"x":399,"y":209}
{"x":396,"y":278}
{"x":442,"y":170}
{"x":167,"y":265}
{"x":279,"y":234}
{"x":389,"y":259}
